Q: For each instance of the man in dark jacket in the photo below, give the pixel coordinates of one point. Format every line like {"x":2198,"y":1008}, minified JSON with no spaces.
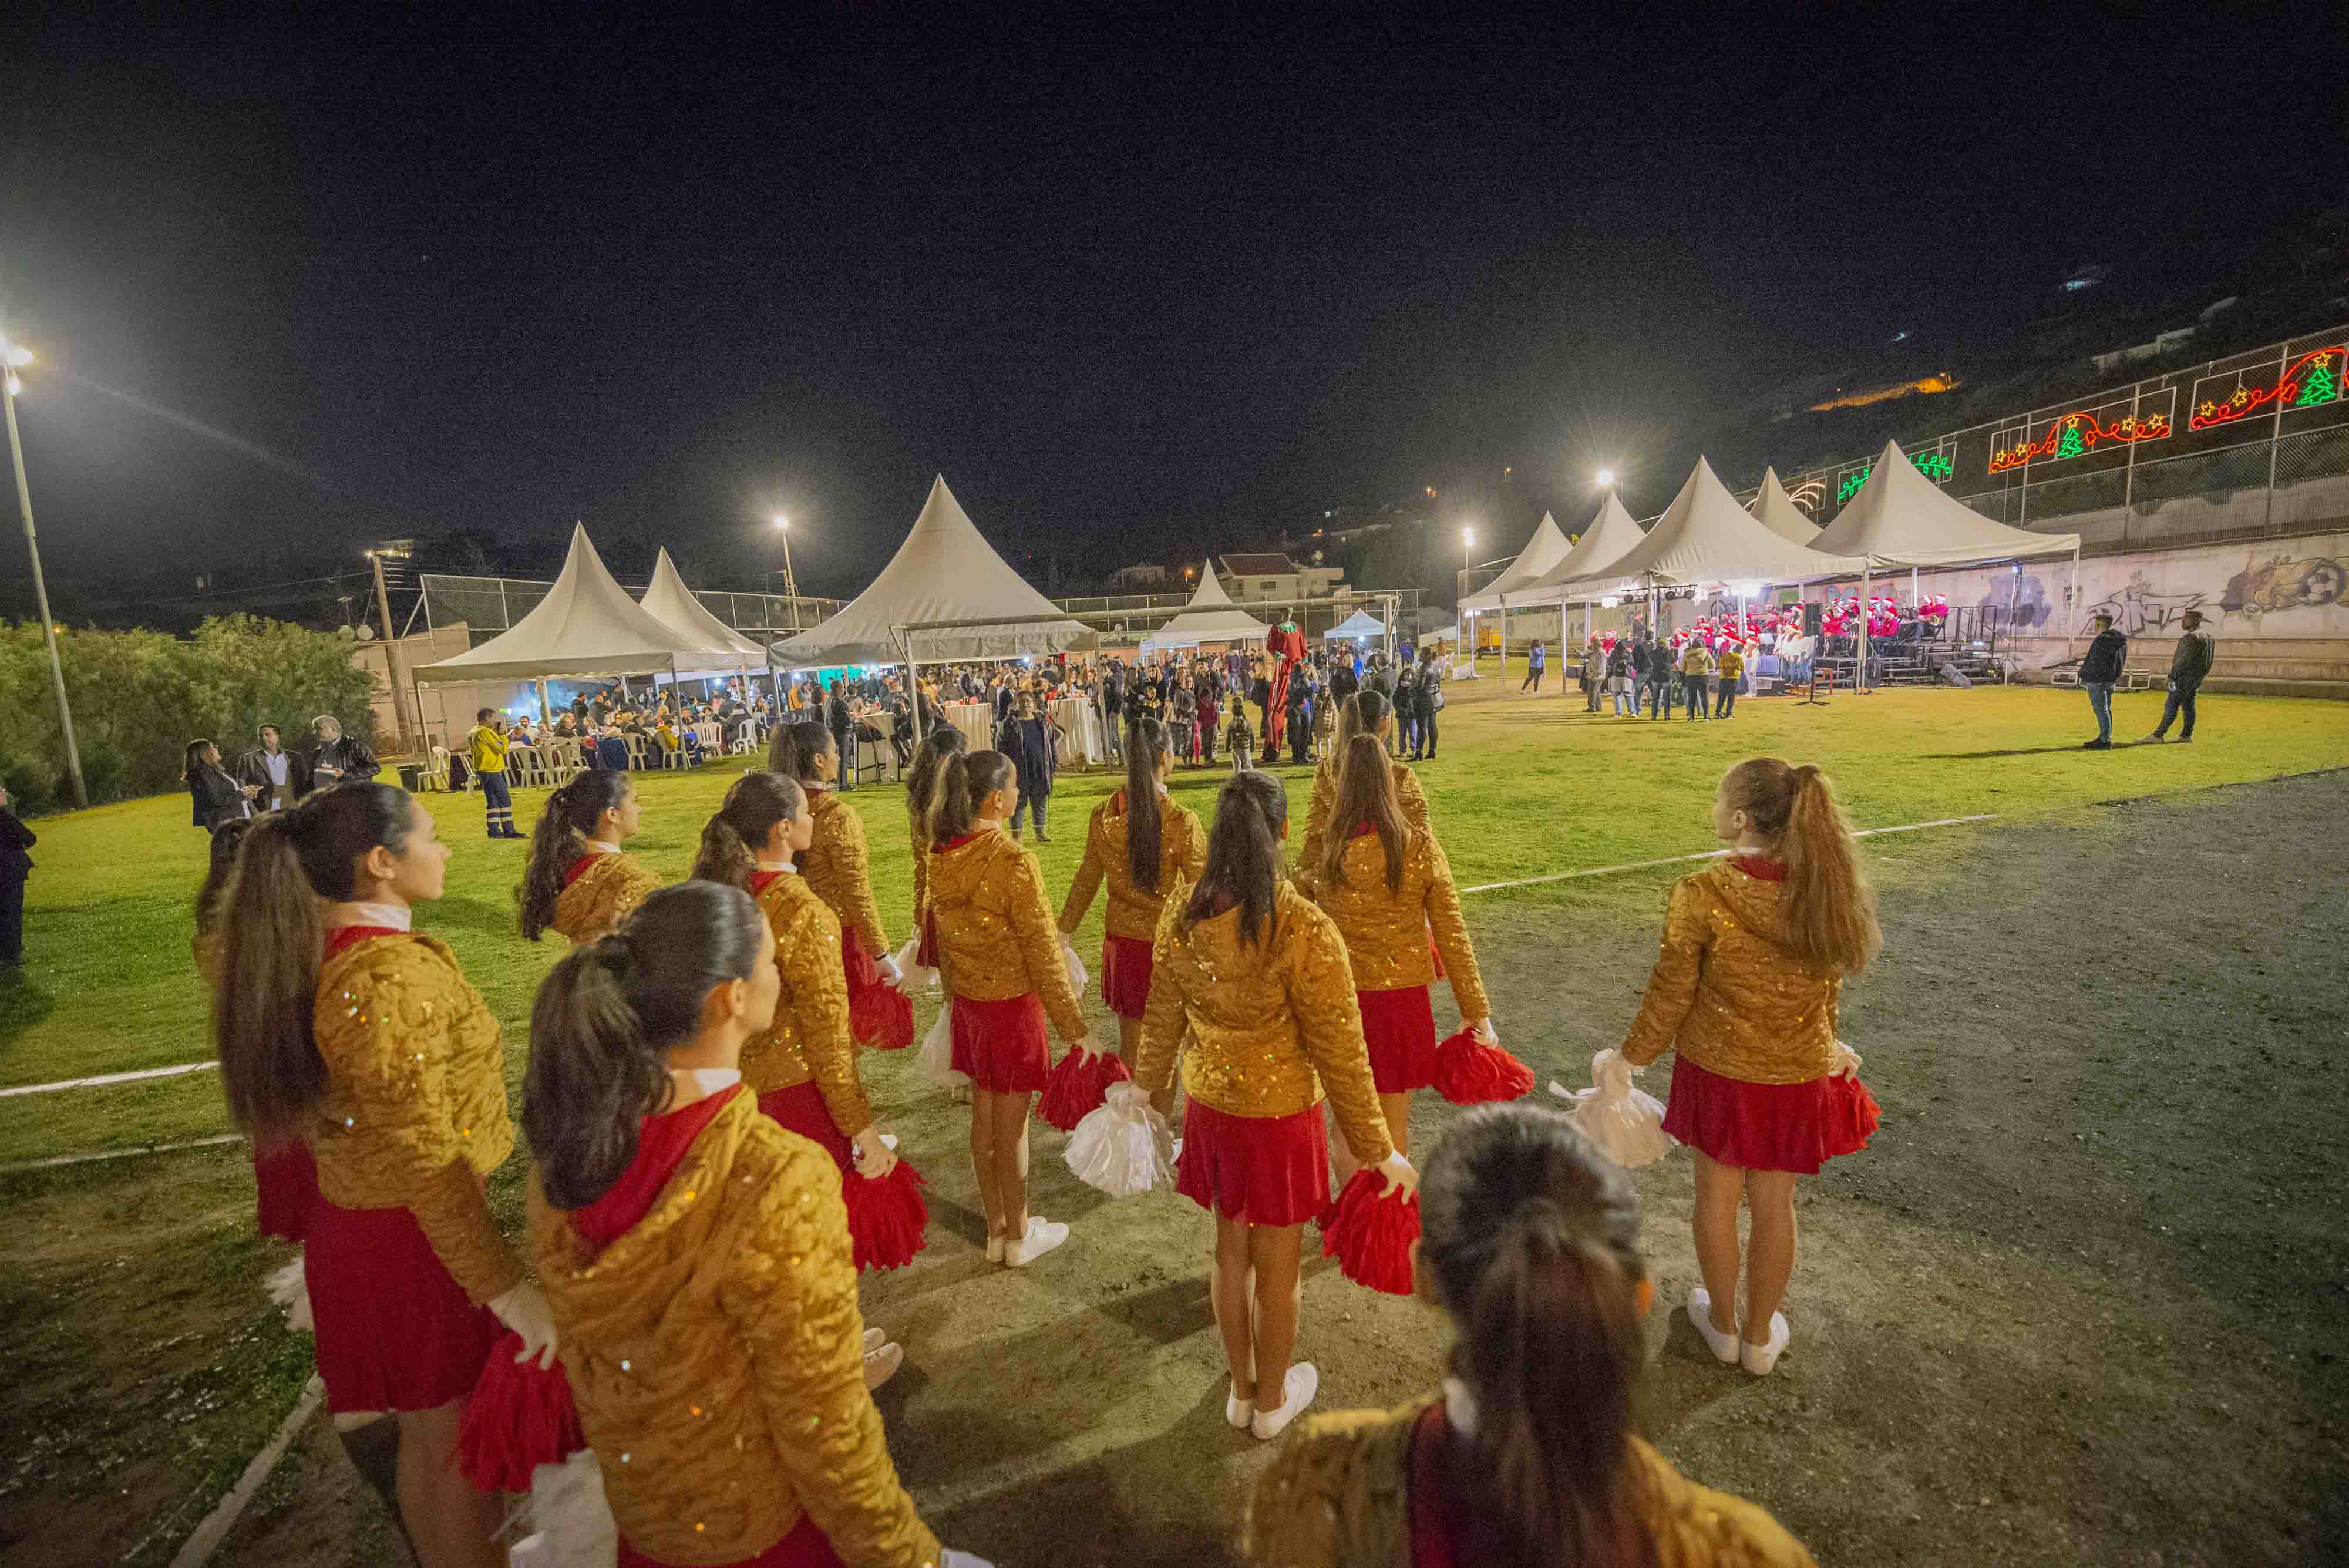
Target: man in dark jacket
{"x":843,"y":725}
{"x":339,"y":758}
{"x":1113,"y":705}
{"x":1029,"y":740}
{"x":2188,"y":666}
{"x":283,"y":777}
{"x":2100,"y":671}
{"x":15,"y":866}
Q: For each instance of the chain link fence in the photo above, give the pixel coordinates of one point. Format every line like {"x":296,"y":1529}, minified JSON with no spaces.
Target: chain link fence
{"x":490,"y":605}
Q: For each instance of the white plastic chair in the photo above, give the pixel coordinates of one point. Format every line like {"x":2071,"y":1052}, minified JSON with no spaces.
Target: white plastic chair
{"x":435,"y":775}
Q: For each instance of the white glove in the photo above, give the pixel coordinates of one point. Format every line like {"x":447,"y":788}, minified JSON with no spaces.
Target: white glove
{"x":874,"y":1157}
{"x":1400,"y":1177}
{"x":1847,"y":1063}
{"x":891,"y":972}
{"x":1484,"y":1033}
{"x":524,"y":1309}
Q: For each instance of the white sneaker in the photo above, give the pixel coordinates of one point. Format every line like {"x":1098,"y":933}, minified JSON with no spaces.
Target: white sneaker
{"x":1723,"y":1345}
{"x":1297,"y":1392}
{"x":1239,"y":1412}
{"x":1042,"y":1236}
{"x":875,"y":1338}
{"x":880,"y":1365}
{"x":1759,"y":1359}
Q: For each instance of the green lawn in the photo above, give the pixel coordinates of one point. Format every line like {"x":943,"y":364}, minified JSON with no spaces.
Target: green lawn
{"x":1523,"y":787}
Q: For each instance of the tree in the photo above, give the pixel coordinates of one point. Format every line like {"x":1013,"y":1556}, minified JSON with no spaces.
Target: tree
{"x":2321,"y":386}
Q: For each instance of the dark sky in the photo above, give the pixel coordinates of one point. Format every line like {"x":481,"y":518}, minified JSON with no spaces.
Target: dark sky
{"x":1130,"y":287}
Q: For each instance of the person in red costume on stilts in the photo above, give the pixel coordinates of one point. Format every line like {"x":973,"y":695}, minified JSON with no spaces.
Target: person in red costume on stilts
{"x":1286,"y":643}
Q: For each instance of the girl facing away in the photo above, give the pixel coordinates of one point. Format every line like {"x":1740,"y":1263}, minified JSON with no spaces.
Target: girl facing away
{"x":578,"y":879}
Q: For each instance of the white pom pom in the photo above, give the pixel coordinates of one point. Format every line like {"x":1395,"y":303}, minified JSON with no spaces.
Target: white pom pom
{"x":1626,"y":1124}
{"x":938,"y":1052}
{"x":289,"y":1287}
{"x":912,"y":976}
{"x":1124,"y":1148}
{"x":571,"y":1520}
{"x":1077,"y":976}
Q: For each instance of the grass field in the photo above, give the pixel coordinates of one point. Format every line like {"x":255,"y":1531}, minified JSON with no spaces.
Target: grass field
{"x":140,"y":1355}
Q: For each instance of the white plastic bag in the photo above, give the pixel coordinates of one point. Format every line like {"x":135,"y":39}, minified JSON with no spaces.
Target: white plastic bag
{"x":571,"y":1519}
{"x":1627,"y":1123}
{"x":289,"y":1287}
{"x":914,"y":977}
{"x":1124,"y":1148}
{"x":1077,"y":976}
{"x":938,"y":1052}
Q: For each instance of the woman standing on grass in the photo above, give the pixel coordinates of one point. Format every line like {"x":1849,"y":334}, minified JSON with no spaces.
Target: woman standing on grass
{"x":943,"y":740}
{"x":838,"y":866}
{"x":1530,"y":1244}
{"x":578,"y":880}
{"x":1145,"y":851}
{"x":1755,"y":950}
{"x":1387,"y":885}
{"x":697,"y":1259}
{"x":802,"y":1066}
{"x":337,"y":1025}
{"x":1366,"y":712}
{"x":1000,"y":956}
{"x":1250,"y":985}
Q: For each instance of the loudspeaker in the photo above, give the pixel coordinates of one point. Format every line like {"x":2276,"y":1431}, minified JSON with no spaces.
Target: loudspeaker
{"x":1810,"y":620}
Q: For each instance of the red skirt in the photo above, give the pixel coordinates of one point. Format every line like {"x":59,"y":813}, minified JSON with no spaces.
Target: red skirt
{"x":804,"y":1547}
{"x":288,"y":1180}
{"x":1767,"y":1127}
{"x":1259,"y":1170}
{"x":1001,"y":1044}
{"x":926,"y":953}
{"x":886,"y":1216}
{"x":395,"y":1330}
{"x":801,"y":1109}
{"x":1125,"y":975}
{"x":1400,"y":1028}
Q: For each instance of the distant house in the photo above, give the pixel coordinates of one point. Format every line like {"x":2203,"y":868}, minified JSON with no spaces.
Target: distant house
{"x":1276,"y":577}
{"x":1140,"y":576}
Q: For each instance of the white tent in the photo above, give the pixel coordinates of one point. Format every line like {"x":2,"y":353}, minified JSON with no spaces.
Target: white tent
{"x":1546,"y":549}
{"x":1361,"y":623}
{"x":1610,"y":535}
{"x":673,"y":604}
{"x":1211,"y":617}
{"x":1777,"y":511}
{"x":1900,"y":518}
{"x":587,"y":625}
{"x":1704,"y":537}
{"x":944,"y":595}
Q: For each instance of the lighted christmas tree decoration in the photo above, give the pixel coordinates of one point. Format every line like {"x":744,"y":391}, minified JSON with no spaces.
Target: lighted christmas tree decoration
{"x":2078,"y":432}
{"x":2323,"y":383}
{"x":2068,"y":444}
{"x":2309,"y":381}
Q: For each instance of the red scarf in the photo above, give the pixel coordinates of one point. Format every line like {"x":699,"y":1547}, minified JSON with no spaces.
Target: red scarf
{"x":344,"y":937}
{"x":1759,"y":868}
{"x":662,"y":1143}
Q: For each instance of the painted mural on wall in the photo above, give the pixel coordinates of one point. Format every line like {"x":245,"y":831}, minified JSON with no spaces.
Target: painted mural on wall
{"x":2286,"y":582}
{"x":2276,"y":587}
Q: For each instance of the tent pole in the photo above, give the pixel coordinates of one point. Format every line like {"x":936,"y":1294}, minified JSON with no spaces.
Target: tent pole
{"x":1505,"y":645}
{"x":1859,"y":677}
{"x":2072,"y":596}
{"x":545,"y":714}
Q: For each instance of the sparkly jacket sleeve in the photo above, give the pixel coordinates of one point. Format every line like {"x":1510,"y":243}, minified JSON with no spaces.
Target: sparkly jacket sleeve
{"x":1039,"y":945}
{"x":792,"y":1295}
{"x":1450,"y":928}
{"x":807,"y":950}
{"x":1090,"y":872}
{"x":1162,"y":1018}
{"x":1329,"y":1028}
{"x":1672,"y":986}
{"x":1318,"y":808}
{"x":848,"y":866}
{"x":920,"y":839}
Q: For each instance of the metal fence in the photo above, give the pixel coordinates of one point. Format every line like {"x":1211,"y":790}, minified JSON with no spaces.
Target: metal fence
{"x":490,"y":605}
{"x":1140,"y":614}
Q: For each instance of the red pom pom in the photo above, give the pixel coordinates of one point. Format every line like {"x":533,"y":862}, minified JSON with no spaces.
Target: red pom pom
{"x":1078,"y":1086}
{"x":882,"y":1017}
{"x":518,"y":1417}
{"x":1851,"y":1115}
{"x":886,"y":1217}
{"x":1370,"y":1235}
{"x":1470,"y":1073}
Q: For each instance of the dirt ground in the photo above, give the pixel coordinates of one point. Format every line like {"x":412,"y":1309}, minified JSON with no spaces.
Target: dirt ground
{"x":2079,"y":1302}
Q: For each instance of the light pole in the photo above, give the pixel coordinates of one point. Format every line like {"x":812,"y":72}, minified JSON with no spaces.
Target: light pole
{"x":790,"y":584}
{"x":16,"y":358}
{"x":391,"y":653}
{"x":1465,"y":619}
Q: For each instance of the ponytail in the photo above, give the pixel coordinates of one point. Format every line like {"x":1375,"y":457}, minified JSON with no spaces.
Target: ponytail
{"x":274,"y":939}
{"x":603,"y":1019}
{"x":1244,"y":863}
{"x":963,"y":782}
{"x":1829,"y":908}
{"x":745,"y":822}
{"x":942,"y":741}
{"x":1366,"y":793}
{"x":1529,"y":1239}
{"x":560,"y":840}
{"x":795,"y":748}
{"x":1362,"y":715}
{"x":1146,"y":749}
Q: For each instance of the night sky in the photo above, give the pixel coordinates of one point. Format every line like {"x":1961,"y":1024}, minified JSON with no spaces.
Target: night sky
{"x":1131,"y":291}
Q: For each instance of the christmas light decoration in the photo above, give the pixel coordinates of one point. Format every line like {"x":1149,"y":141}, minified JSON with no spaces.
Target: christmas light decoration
{"x":2309,"y":381}
{"x":2082,"y":431}
{"x":1934,"y":465}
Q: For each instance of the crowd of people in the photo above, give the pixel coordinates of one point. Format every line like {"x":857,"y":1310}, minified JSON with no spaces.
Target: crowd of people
{"x":709,"y":1172}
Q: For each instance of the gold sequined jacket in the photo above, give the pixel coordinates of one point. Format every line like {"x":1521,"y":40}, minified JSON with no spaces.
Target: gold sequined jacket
{"x":415,"y":1110}
{"x":1270,"y":1024}
{"x":918,"y":833}
{"x":715,"y":1351}
{"x":996,"y":936}
{"x":1134,"y":911}
{"x":839,"y":867}
{"x":810,"y":1037}
{"x":1386,"y":933}
{"x":1324,"y":800}
{"x":1726,"y":995}
{"x":602,"y":896}
{"x":1337,"y":1497}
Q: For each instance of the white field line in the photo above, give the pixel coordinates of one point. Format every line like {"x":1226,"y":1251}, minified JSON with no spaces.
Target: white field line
{"x":1708,"y":855}
{"x":102,"y":1079}
{"x":217,"y":1523}
{"x":52,"y":1161}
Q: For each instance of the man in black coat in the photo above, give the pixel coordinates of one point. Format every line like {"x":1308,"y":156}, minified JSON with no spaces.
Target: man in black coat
{"x":283,"y":777}
{"x":2189,"y":665}
{"x":339,"y":758}
{"x":15,"y":866}
{"x":841,"y":725}
{"x":2100,"y":671}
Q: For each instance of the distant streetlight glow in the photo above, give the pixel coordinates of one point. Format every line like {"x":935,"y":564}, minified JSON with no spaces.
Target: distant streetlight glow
{"x":17,"y":356}
{"x":1606,"y":478}
{"x":779,"y":521}
{"x":1468,"y":537}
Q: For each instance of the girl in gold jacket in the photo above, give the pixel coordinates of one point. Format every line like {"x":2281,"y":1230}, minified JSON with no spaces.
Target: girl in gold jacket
{"x":943,"y":740}
{"x":696,"y":1257}
{"x":838,"y":865}
{"x":1145,"y":854}
{"x":1000,"y":956}
{"x":1251,"y":987}
{"x":1366,"y":712}
{"x":1387,"y":885}
{"x":338,"y":1023}
{"x":1529,"y":1243}
{"x":578,"y":880}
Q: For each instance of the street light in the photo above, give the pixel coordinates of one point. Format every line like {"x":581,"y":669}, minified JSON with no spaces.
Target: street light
{"x":1466,"y":617}
{"x":16,"y":355}
{"x":1605,"y":477}
{"x":791,"y":583}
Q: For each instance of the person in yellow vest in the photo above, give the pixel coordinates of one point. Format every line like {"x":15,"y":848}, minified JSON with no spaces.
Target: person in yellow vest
{"x":1732,"y":675}
{"x":485,"y":754}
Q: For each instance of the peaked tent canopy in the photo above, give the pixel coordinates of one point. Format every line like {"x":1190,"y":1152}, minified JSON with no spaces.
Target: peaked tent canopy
{"x":952,"y":595}
{"x":1900,"y":518}
{"x":1546,"y":549}
{"x":1776,"y":511}
{"x":1610,"y":535}
{"x":673,"y":604}
{"x":1361,"y":623}
{"x":1211,"y":618}
{"x":1704,"y":537}
{"x":587,"y":625}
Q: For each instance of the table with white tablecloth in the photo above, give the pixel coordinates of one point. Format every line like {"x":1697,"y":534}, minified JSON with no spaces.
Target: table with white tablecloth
{"x":977,"y":723}
{"x":1078,"y":726}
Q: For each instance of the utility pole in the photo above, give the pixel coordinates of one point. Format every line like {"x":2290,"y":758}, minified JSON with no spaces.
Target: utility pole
{"x":16,"y":358}
{"x":390,"y":648}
